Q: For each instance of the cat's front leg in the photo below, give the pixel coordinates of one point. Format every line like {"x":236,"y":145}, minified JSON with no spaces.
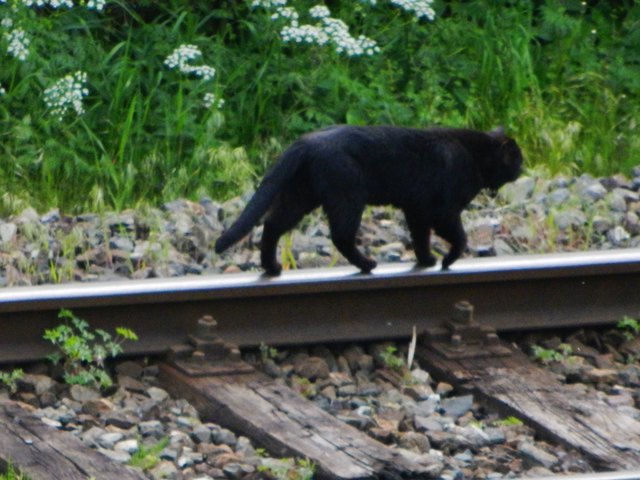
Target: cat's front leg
{"x":453,"y":232}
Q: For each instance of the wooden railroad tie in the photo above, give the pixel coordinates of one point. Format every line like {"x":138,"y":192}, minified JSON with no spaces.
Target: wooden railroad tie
{"x":474,"y":360}
{"x":210,"y":374}
{"x":42,"y":452}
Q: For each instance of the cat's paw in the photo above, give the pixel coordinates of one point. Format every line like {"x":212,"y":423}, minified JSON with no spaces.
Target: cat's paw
{"x":430,"y":261}
{"x":368,"y":265}
{"x":273,"y":270}
{"x":446,"y":263}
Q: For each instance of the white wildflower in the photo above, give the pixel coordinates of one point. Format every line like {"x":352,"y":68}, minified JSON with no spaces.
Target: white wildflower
{"x":51,"y":3}
{"x":338,"y":31}
{"x":6,"y":23}
{"x":2,"y":90}
{"x":268,"y":3}
{"x":211,"y":101}
{"x":180,"y":57}
{"x":66,"y":94}
{"x":287,"y":13}
{"x":96,"y":5}
{"x":421,"y":8}
{"x":307,"y":34}
{"x":18,"y":44}
{"x":204,"y":71}
{"x":319,"y":11}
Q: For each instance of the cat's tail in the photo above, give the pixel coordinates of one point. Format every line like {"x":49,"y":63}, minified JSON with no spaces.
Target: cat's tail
{"x":270,"y":186}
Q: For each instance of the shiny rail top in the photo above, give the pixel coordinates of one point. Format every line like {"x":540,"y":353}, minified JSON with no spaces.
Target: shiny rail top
{"x":476,"y":270}
{"x":335,"y":304}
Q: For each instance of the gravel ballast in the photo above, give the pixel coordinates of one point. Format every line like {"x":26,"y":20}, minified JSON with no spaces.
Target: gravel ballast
{"x":535,"y":214}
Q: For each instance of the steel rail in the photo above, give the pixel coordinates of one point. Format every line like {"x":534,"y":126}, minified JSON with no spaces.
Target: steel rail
{"x":631,"y":475}
{"x":334,"y":304}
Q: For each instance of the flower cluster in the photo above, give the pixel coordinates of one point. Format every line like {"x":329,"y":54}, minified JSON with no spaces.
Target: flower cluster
{"x":18,"y":43}
{"x":309,"y":34}
{"x":287,"y":13}
{"x":180,"y":60}
{"x":96,"y":5}
{"x":268,"y":3}
{"x":51,"y":3}
{"x":2,"y":91}
{"x":90,"y":4}
{"x":421,"y":8}
{"x":328,"y":30}
{"x":66,"y":94}
{"x":210,"y":100}
{"x":338,"y":31}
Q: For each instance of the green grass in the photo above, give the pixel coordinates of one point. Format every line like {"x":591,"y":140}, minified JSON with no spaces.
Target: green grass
{"x":148,"y":457}
{"x":561,"y":76}
{"x":13,"y":474}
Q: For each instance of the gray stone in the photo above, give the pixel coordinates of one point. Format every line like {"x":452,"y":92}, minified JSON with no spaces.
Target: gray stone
{"x":495,"y":436}
{"x":201,"y":434}
{"x":91,"y":436}
{"x":601,"y":224}
{"x":121,"y":420}
{"x":233,"y":471}
{"x":38,"y":384}
{"x":109,"y":439}
{"x":420,"y":375}
{"x":569,"y":218}
{"x":151,"y":428}
{"x":630,"y":376}
{"x":82,"y":394}
{"x":184,"y":461}
{"x":618,"y":236}
{"x":120,"y":457}
{"x":626,"y":194}
{"x":617,"y":202}
{"x":245,"y":448}
{"x":456,"y":406}
{"x":631,"y":223}
{"x":312,"y":368}
{"x":423,"y":424}
{"x":558,"y":197}
{"x":536,"y":456}
{"x":51,"y":422}
{"x":122,"y":244}
{"x":130,"y":446}
{"x":170,"y":453}
{"x":518,"y":191}
{"x":224,"y":436}
{"x":593,"y":192}
{"x":157,"y":394}
{"x":353,"y":354}
{"x":8,"y":232}
{"x":164,"y":470}
{"x":414,"y":441}
{"x":131,"y":384}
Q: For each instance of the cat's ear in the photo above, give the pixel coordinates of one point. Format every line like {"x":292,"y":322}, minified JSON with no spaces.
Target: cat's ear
{"x":497,"y":132}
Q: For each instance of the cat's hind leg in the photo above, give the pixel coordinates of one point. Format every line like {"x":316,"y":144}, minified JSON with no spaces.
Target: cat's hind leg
{"x":453,"y":232}
{"x":285,"y":214}
{"x":344,"y":220}
{"x":421,"y":239}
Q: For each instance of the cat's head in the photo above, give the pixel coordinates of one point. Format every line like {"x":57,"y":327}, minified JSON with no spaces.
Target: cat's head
{"x":505,"y":164}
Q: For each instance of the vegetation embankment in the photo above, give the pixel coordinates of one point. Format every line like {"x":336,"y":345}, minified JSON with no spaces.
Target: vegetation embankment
{"x":115,"y":104}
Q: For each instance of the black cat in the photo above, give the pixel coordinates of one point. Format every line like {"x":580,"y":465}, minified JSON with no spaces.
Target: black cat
{"x":431,"y":174}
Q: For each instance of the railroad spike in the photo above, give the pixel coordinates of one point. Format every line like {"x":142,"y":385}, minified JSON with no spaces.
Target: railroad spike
{"x":462,"y":337}
{"x":206,"y":353}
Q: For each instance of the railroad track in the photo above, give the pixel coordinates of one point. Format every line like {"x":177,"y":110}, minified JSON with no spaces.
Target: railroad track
{"x":337,"y":305}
